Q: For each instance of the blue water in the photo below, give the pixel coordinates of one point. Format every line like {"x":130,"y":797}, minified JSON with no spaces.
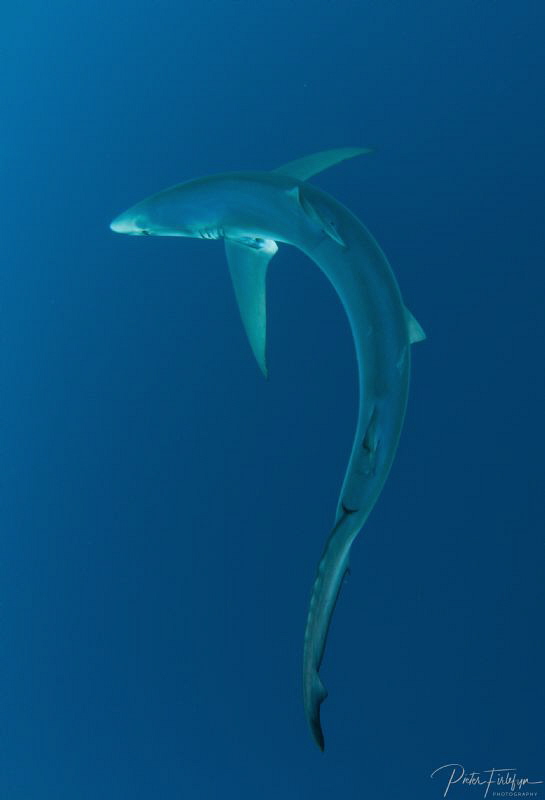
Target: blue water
{"x":163,"y":507}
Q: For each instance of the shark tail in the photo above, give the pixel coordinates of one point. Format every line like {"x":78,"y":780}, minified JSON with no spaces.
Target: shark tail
{"x":332,"y":569}
{"x":318,"y":694}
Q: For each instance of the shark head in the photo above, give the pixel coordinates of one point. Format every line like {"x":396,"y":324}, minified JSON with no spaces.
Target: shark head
{"x":129,"y":222}
{"x":178,"y":211}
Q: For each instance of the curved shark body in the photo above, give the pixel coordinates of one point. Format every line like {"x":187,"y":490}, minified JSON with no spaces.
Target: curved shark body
{"x":252,"y":211}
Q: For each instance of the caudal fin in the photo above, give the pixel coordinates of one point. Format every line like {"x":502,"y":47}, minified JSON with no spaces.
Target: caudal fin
{"x":317,"y":696}
{"x":331,"y":570}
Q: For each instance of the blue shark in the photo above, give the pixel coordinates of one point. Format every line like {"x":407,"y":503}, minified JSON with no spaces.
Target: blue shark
{"x":252,"y":212}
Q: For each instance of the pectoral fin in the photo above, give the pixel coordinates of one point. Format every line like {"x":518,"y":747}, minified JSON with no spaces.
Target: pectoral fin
{"x":305,"y":168}
{"x":248,"y":260}
{"x":319,"y":217}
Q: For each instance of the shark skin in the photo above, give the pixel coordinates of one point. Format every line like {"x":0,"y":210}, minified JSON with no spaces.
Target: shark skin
{"x":252,"y":212}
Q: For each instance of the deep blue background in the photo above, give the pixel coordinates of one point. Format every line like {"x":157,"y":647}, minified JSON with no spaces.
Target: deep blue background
{"x":163,"y":508}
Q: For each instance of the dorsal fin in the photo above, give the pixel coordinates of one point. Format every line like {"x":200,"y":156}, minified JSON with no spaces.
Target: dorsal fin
{"x":248,"y":260}
{"x":305,"y":168}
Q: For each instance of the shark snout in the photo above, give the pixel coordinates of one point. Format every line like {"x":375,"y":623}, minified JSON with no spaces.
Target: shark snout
{"x":123,"y":224}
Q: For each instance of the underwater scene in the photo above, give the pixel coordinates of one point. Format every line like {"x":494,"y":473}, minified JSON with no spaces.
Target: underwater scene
{"x":272,"y":494}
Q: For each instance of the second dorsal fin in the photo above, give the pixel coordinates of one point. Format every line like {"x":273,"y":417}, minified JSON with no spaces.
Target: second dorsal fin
{"x":416,"y":331}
